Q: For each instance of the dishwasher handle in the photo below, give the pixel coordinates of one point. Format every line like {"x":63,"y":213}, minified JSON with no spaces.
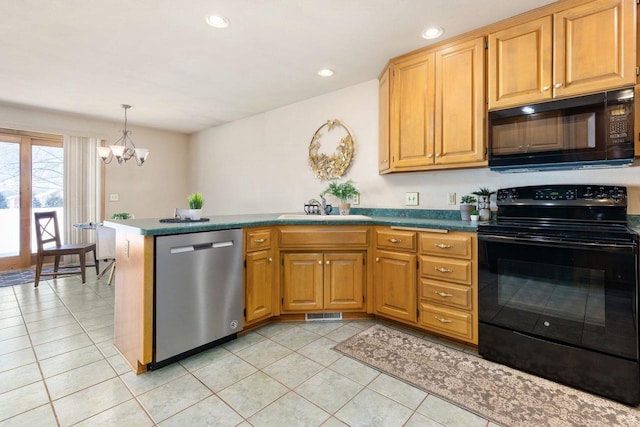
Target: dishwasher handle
{"x":201,"y":246}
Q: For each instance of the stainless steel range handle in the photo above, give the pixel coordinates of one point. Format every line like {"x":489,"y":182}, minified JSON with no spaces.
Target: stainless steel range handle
{"x":548,"y":241}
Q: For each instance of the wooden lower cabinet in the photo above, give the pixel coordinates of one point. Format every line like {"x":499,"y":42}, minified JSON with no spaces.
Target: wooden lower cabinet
{"x":260,"y":268}
{"x":395,"y":285}
{"x":259,"y":285}
{"x":430,"y":285}
{"x":322,"y":281}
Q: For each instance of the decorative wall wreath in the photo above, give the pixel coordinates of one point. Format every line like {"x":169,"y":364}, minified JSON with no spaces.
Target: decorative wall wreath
{"x":334,"y":166}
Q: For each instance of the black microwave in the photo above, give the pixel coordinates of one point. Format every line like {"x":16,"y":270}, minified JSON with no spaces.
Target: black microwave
{"x":592,"y":131}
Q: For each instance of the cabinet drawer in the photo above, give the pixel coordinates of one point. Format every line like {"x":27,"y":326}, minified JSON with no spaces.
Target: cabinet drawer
{"x":448,"y":321}
{"x":323,"y":236}
{"x":453,"y":270}
{"x":258,"y":239}
{"x":458,"y":296}
{"x":457,"y":246}
{"x":396,"y":239}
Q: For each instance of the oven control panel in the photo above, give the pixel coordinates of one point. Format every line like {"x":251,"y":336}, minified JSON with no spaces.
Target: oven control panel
{"x":563,"y":194}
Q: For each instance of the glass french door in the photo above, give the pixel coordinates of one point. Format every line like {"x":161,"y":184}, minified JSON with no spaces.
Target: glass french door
{"x":31,"y":178}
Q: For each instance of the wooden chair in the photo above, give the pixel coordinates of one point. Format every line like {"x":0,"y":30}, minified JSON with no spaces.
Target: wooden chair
{"x":47,"y":232}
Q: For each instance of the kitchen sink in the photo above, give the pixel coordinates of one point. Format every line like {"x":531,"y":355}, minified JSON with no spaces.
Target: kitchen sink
{"x":304,"y":217}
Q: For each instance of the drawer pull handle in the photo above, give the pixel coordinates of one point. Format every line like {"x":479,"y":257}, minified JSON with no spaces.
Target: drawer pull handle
{"x":443,"y":294}
{"x":443,"y":320}
{"x":395,"y":240}
{"x":444,"y":270}
{"x":442,"y":246}
{"x":259,"y":240}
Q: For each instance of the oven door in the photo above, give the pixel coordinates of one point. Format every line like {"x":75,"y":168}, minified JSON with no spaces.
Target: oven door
{"x":583,"y":294}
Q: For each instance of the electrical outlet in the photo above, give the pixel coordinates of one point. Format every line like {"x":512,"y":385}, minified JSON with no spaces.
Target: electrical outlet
{"x":452,"y":198}
{"x":125,"y":248}
{"x":411,"y":199}
{"x":355,"y":200}
{"x":114,"y":197}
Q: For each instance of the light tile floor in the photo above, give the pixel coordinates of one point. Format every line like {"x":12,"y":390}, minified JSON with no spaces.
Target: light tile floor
{"x":58,"y":367}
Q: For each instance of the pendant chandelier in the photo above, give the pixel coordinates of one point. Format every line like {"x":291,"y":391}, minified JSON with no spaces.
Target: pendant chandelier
{"x":123,"y":149}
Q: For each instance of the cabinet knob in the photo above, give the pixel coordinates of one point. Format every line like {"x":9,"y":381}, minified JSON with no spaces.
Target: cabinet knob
{"x":545,"y":88}
{"x":442,"y":246}
{"x":558,"y":85}
{"x":320,"y":262}
{"x":430,"y":155}
{"x":327,"y":262}
{"x":443,"y":320}
{"x":438,"y":155}
{"x":270,"y":259}
{"x":392,"y":240}
{"x":444,"y":270}
{"x":377,"y":259}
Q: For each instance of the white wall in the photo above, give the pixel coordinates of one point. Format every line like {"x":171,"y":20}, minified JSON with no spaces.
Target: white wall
{"x":152,"y":190}
{"x":259,"y":164}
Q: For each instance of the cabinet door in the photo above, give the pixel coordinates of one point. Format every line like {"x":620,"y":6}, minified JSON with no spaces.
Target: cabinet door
{"x":344,"y":281}
{"x":520,"y":68}
{"x":412,"y":112}
{"x":259,"y":285}
{"x":395,"y":285}
{"x":384,"y":154}
{"x":460,"y":103}
{"x":302,"y":282}
{"x":595,"y":47}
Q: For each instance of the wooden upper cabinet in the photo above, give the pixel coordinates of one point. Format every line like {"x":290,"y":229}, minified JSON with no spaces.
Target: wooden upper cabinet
{"x":460,"y":103}
{"x":594,"y":47}
{"x":520,"y":67}
{"x":384,"y":155}
{"x":412,"y":112}
{"x":583,"y":49}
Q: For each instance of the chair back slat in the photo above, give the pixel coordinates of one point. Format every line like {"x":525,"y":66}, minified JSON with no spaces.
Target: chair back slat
{"x":47,"y":230}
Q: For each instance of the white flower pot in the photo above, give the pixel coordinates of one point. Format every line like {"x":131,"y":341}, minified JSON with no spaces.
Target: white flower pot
{"x":195,"y":214}
{"x":474,"y":217}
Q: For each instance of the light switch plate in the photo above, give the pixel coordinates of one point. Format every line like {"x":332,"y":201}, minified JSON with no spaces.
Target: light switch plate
{"x":411,"y":199}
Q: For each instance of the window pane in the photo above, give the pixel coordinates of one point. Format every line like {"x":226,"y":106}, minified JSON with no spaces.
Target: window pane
{"x":47,"y":180}
{"x":9,"y":198}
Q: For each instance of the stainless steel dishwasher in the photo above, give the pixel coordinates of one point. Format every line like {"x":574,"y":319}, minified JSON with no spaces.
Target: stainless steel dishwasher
{"x":198,"y":292}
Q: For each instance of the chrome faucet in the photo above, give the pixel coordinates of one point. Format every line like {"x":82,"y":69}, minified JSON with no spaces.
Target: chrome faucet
{"x":314,"y":207}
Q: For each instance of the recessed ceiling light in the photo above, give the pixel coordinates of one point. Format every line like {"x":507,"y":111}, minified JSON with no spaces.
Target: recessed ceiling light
{"x":325,"y":72}
{"x":432,"y":33}
{"x":217,"y":21}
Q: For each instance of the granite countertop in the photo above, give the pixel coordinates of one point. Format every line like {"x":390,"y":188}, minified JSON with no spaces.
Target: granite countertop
{"x":414,"y":218}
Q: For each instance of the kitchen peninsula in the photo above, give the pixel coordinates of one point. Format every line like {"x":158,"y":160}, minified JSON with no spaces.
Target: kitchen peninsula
{"x":135,"y":259}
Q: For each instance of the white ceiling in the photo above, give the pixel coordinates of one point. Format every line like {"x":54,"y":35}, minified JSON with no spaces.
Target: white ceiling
{"x":90,"y":56}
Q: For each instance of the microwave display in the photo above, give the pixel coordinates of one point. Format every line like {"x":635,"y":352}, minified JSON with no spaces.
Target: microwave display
{"x":589,"y":131}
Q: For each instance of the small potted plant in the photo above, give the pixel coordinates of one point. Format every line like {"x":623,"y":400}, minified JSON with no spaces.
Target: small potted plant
{"x":345,"y":192}
{"x":474,"y":215}
{"x":484,"y":202}
{"x":195,"y":206}
{"x":121,"y":215}
{"x":467,"y":204}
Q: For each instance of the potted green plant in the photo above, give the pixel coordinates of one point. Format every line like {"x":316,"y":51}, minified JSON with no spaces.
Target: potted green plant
{"x":195,"y":205}
{"x":474,"y":215}
{"x":484,"y":202}
{"x":345,"y":192}
{"x":121,"y":215}
{"x":467,"y":204}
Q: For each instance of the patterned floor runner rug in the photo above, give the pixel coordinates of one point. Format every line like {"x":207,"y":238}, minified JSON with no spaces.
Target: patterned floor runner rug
{"x":506,"y":396}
